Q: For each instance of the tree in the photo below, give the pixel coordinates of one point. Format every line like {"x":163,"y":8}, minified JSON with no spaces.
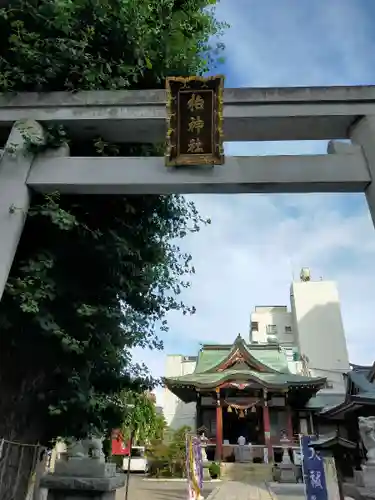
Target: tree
{"x":91,"y":44}
{"x":168,"y":457}
{"x":141,"y":418}
{"x":94,"y":276}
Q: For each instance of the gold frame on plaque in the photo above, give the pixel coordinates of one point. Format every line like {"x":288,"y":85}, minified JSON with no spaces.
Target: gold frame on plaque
{"x":200,"y":141}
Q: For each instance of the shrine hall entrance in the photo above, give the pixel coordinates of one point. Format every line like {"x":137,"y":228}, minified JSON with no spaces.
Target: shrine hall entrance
{"x":247,"y":423}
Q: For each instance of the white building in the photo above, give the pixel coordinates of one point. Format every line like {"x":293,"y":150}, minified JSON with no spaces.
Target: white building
{"x":313,"y":328}
{"x":320,"y":335}
{"x":176,"y":413}
{"x":311,"y":334}
{"x":270,"y":323}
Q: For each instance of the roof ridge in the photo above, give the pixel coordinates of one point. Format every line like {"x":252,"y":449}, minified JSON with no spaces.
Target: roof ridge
{"x":362,"y":382}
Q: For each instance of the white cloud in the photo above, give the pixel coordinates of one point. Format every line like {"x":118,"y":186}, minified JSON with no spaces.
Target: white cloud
{"x":299,"y":42}
{"x":247,"y":256}
{"x":249,"y":253}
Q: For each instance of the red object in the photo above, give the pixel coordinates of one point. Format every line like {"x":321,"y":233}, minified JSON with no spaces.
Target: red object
{"x":219,"y":427}
{"x":119,"y":447}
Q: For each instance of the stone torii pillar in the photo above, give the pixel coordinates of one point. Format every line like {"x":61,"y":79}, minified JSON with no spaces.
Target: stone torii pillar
{"x":15,"y":164}
{"x":15,"y":167}
{"x":363,"y":134}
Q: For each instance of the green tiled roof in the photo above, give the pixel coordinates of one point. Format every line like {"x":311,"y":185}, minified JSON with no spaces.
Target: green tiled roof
{"x":211,"y":379}
{"x":369,"y":396}
{"x":361,"y":381}
{"x":273,"y":358}
{"x":209,"y":359}
{"x":361,"y":369}
{"x":266,"y":364}
{"x":325,"y":400}
{"x":364,"y":394}
{"x":326,"y":442}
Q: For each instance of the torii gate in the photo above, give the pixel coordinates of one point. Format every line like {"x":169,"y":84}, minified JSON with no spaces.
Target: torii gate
{"x":273,"y":114}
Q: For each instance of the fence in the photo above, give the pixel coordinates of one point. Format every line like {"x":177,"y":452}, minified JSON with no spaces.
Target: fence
{"x":21,"y":466}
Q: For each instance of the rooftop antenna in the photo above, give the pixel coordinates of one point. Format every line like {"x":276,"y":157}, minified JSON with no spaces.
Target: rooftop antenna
{"x":305,"y":274}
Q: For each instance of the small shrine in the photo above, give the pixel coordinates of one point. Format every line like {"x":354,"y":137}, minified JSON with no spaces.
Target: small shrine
{"x":247,"y":391}
{"x":354,"y":418}
{"x":359,"y":400}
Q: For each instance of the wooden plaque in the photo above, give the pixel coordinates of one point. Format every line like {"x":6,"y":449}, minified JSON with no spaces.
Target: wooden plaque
{"x":208,"y":401}
{"x":194,"y":121}
{"x":277,"y":401}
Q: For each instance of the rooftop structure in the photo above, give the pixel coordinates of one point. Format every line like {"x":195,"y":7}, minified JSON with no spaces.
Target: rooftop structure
{"x":312,"y":321}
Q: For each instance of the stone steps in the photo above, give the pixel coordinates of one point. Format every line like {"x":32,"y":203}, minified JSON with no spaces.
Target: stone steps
{"x":236,"y":490}
{"x":246,"y":472}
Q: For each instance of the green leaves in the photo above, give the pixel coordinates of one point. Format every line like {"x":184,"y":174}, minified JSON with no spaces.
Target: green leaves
{"x":140,"y":417}
{"x":51,"y":209}
{"x":168,"y":457}
{"x":86,"y":44}
{"x":94,"y":276}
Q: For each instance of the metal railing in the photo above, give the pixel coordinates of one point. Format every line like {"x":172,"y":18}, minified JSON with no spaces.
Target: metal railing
{"x":21,"y":466}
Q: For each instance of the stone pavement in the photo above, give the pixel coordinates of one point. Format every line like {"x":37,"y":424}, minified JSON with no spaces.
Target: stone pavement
{"x":285,"y":491}
{"x":140,"y":489}
{"x":234,"y":490}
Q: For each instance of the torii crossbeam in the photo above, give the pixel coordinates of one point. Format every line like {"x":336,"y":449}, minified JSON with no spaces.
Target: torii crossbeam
{"x":277,"y":114}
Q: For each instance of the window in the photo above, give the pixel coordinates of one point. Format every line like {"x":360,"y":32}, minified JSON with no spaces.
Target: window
{"x":137,"y":452}
{"x":254,"y":326}
{"x":271,"y":329}
{"x":288,"y":329}
{"x":190,"y":358}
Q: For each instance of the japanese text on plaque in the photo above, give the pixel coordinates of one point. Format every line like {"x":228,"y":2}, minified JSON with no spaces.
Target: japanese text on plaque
{"x":196,"y":124}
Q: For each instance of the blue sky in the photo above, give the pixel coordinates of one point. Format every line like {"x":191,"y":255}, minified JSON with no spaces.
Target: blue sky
{"x":256,"y":242}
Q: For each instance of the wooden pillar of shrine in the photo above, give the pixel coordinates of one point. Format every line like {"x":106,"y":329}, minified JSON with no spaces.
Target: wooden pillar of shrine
{"x":289,"y":416}
{"x":311,"y":419}
{"x":219,"y":427}
{"x":267,"y":426}
{"x":198,"y":415}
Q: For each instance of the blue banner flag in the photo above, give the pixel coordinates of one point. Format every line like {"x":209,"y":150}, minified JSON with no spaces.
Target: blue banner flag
{"x":313,"y":472}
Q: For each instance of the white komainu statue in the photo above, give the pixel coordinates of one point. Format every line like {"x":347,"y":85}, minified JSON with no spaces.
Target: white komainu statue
{"x":91,"y":447}
{"x":367,"y":432}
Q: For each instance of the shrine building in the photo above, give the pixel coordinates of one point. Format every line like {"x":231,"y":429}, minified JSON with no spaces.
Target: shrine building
{"x":276,"y":385}
{"x":247,"y":390}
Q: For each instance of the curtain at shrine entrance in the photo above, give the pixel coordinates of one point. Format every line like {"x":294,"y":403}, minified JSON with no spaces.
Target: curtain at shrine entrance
{"x":247,"y":423}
